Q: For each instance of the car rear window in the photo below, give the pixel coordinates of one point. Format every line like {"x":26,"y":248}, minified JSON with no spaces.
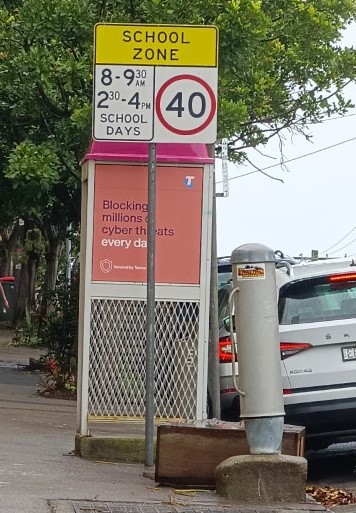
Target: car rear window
{"x":224,"y":278}
{"x":223,"y":303}
{"x":317,"y":299}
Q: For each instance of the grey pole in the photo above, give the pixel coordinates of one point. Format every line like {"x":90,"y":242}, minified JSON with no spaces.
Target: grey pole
{"x":260,"y":378}
{"x":151,"y":302}
{"x":68,"y":257}
{"x":213,"y":360}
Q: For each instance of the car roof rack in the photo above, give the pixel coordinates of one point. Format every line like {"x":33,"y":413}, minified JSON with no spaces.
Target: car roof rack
{"x":285,"y":265}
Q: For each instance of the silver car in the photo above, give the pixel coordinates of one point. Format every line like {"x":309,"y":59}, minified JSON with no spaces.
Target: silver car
{"x":317,"y":325}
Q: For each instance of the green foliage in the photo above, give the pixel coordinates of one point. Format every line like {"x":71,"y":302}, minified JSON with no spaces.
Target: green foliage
{"x":45,"y":96}
{"x":26,"y":336}
{"x":34,"y":169}
{"x":34,"y":242}
{"x":60,"y":381}
{"x":59,"y":333}
{"x":281,"y":66}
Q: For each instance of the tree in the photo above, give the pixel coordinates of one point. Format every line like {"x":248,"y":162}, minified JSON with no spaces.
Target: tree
{"x":281,"y":67}
{"x":295,"y":69}
{"x":43,"y":83}
{"x":281,"y":63}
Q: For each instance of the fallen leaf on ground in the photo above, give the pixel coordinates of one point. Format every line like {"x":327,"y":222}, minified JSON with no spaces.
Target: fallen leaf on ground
{"x":153,"y":488}
{"x":329,"y":496}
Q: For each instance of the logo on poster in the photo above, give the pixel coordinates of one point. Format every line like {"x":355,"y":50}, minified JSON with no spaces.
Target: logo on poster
{"x":188,"y":182}
{"x":106,"y":265}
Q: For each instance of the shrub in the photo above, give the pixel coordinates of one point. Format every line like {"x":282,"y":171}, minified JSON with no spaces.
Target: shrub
{"x":59,"y":333}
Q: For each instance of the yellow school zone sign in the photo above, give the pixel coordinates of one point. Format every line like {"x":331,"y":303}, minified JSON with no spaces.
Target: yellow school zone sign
{"x":156,"y":45}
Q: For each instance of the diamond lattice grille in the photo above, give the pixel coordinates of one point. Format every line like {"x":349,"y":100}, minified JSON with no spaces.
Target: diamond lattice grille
{"x":117,"y":358}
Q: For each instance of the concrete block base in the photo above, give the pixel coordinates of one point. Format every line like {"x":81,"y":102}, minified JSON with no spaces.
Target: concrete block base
{"x":262,"y":478}
{"x":129,"y":450}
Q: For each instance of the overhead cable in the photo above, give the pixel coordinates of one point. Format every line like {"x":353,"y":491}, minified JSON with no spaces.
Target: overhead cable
{"x":338,"y":242}
{"x":293,"y":159}
{"x":343,"y":247}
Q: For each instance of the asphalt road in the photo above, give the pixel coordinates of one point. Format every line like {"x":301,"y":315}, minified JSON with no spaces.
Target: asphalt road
{"x":334,"y":466}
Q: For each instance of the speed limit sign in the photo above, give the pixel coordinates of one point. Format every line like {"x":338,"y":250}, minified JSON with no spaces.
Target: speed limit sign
{"x":186,"y":106}
{"x":153,"y":83}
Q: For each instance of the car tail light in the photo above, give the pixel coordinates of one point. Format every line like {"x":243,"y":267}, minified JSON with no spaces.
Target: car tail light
{"x":342,"y":277}
{"x":225,"y":355}
{"x":287,"y":349}
{"x":290,"y":348}
{"x":287,"y":391}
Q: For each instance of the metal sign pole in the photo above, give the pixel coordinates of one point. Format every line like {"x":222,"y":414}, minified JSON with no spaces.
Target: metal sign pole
{"x":151,"y":303}
{"x":213,"y":367}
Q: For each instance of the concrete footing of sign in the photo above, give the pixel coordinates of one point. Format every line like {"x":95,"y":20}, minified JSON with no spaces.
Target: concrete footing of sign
{"x":124,"y":449}
{"x":262,"y":478}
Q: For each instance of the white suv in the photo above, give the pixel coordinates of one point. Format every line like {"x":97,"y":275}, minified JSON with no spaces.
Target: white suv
{"x":317,"y":324}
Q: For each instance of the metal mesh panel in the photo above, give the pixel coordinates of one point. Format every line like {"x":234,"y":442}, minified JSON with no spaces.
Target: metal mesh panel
{"x":117,"y":358}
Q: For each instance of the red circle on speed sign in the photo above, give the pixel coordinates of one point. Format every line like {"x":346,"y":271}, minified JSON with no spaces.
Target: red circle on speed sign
{"x":197,"y":129}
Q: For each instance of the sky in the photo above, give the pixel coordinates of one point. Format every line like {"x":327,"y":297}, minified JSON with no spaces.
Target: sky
{"x":315,"y":206}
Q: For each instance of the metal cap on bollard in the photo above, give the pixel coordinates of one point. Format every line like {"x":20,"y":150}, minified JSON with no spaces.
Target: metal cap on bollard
{"x":252,"y":253}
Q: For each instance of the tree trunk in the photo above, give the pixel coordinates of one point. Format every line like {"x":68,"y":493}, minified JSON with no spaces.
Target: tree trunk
{"x":22,"y":297}
{"x":7,"y":264}
{"x":32,"y":264}
{"x":10,"y":238}
{"x":21,"y":278}
{"x":52,"y":260}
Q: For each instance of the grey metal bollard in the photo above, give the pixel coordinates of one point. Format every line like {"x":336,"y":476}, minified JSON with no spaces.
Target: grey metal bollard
{"x":261,"y":406}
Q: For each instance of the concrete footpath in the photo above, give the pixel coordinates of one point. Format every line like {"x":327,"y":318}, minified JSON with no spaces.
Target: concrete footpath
{"x":40,"y":474}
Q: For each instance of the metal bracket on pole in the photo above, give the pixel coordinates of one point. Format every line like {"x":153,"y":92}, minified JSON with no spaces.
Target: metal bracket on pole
{"x":225,"y":171}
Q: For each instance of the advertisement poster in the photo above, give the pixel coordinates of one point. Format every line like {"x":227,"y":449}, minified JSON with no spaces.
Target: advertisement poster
{"x":120,"y":224}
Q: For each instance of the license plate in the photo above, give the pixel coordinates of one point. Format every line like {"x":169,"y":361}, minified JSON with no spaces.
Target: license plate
{"x":348,"y":353}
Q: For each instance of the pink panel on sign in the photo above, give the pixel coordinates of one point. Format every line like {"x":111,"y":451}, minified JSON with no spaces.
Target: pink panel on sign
{"x":120,"y":224}
{"x":138,"y":152}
